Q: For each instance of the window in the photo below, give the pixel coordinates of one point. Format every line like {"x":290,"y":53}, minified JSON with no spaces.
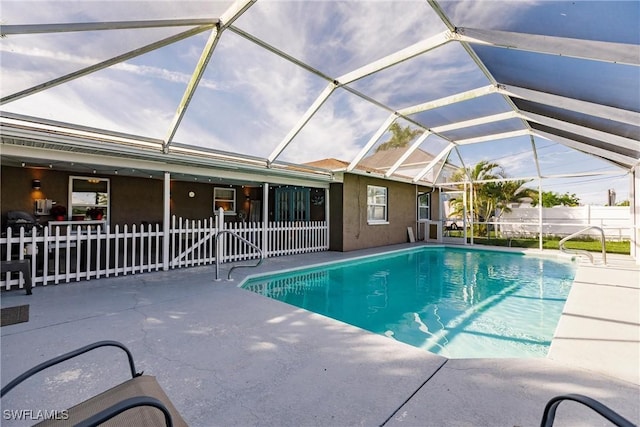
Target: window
{"x":224,"y":198}
{"x":376,"y":204}
{"x":89,"y":198}
{"x":292,"y":204}
{"x":424,"y":206}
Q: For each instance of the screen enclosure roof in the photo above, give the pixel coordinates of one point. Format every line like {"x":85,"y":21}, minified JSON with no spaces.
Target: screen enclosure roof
{"x":546,"y":89}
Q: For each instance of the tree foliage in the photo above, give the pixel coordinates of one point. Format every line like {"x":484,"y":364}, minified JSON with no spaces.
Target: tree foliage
{"x":489,"y":200}
{"x":550,"y":199}
{"x":400,"y":137}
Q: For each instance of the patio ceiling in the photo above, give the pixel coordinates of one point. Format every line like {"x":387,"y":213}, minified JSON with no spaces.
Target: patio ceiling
{"x":549,"y":89}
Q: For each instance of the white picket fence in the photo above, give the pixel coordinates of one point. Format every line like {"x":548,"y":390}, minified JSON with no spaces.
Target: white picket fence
{"x":85,"y":252}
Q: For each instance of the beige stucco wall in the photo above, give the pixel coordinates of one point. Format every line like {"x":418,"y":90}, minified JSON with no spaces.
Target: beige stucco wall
{"x":351,"y":220}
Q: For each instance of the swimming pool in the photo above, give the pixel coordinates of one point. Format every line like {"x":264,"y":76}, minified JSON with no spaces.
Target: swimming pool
{"x":460,"y":303}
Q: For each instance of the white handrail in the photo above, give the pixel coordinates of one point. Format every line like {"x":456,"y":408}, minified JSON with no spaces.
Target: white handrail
{"x":582,"y":252}
{"x":239,"y":237}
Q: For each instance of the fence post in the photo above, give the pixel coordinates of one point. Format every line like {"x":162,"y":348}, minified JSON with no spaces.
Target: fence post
{"x":219,"y":226}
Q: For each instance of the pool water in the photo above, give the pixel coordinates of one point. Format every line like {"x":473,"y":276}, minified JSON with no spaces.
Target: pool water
{"x":454,"y":302}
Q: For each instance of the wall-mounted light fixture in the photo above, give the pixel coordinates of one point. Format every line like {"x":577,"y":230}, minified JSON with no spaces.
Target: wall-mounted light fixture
{"x":35,"y":184}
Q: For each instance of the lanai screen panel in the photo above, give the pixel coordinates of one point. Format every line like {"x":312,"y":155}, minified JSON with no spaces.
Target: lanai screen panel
{"x":138,"y":96}
{"x":557,"y":159}
{"x":426,"y":161}
{"x":438,"y":73}
{"x":441,"y":72}
{"x":515,"y":155}
{"x":339,"y":129}
{"x":593,"y":121}
{"x":468,"y":109}
{"x":593,"y":81}
{"x":254,"y":98}
{"x":612,"y":21}
{"x":337,"y":37}
{"x":32,"y":59}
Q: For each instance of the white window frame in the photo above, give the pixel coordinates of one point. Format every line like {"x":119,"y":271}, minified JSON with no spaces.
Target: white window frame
{"x":421,"y":207}
{"x":217,"y":198}
{"x":377,"y":203}
{"x":106,"y":207}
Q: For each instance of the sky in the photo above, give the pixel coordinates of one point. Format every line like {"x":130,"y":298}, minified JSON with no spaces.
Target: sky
{"x":249,"y":99}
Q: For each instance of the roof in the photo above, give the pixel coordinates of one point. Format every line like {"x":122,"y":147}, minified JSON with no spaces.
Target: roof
{"x":331,"y":164}
{"x":336,"y":165}
{"x":550,"y":89}
{"x":385,"y":159}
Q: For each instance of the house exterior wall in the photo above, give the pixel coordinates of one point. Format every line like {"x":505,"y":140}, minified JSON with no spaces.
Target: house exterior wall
{"x":336,"y":217}
{"x":16,"y":193}
{"x":356,"y":232}
{"x":132,"y":200}
{"x":136,"y":200}
{"x":197,"y":207}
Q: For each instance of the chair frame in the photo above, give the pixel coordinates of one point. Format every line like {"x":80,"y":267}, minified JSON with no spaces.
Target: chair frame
{"x":111,"y":411}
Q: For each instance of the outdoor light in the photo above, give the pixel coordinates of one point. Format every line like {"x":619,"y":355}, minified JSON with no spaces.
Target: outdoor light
{"x":35,"y":184}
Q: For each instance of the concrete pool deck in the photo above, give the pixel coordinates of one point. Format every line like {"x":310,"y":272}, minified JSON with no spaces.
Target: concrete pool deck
{"x":229,"y":357}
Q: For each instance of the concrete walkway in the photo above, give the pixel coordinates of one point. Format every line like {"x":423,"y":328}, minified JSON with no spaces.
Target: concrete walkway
{"x":229,"y":357}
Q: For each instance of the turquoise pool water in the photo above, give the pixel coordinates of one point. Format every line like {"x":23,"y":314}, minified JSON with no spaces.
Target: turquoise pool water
{"x":454,"y":302}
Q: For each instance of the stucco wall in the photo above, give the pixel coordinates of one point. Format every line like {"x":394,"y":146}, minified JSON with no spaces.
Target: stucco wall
{"x":17,"y":194}
{"x":357,"y":233}
{"x":336,"y":217}
{"x":133,"y":200}
{"x":197,"y":207}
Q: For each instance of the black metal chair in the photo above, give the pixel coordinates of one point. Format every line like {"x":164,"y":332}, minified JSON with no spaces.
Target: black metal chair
{"x":139,"y":401}
{"x":612,"y":416}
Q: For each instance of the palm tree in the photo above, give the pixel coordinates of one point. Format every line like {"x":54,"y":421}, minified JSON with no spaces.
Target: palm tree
{"x":489,"y":199}
{"x":400,"y":137}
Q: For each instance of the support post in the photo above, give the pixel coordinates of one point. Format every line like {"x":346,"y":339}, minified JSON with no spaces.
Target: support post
{"x":166,"y":221}
{"x":327,"y":215}
{"x":265,"y":218}
{"x":635,"y":213}
{"x":540,"y":226}
{"x":464,"y":204}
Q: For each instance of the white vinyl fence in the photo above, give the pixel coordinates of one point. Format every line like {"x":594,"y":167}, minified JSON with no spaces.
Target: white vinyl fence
{"x":83,"y":252}
{"x":563,"y":220}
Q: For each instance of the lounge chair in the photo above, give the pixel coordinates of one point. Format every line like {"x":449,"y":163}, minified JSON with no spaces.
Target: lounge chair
{"x":139,"y":401}
{"x":549,"y":414}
